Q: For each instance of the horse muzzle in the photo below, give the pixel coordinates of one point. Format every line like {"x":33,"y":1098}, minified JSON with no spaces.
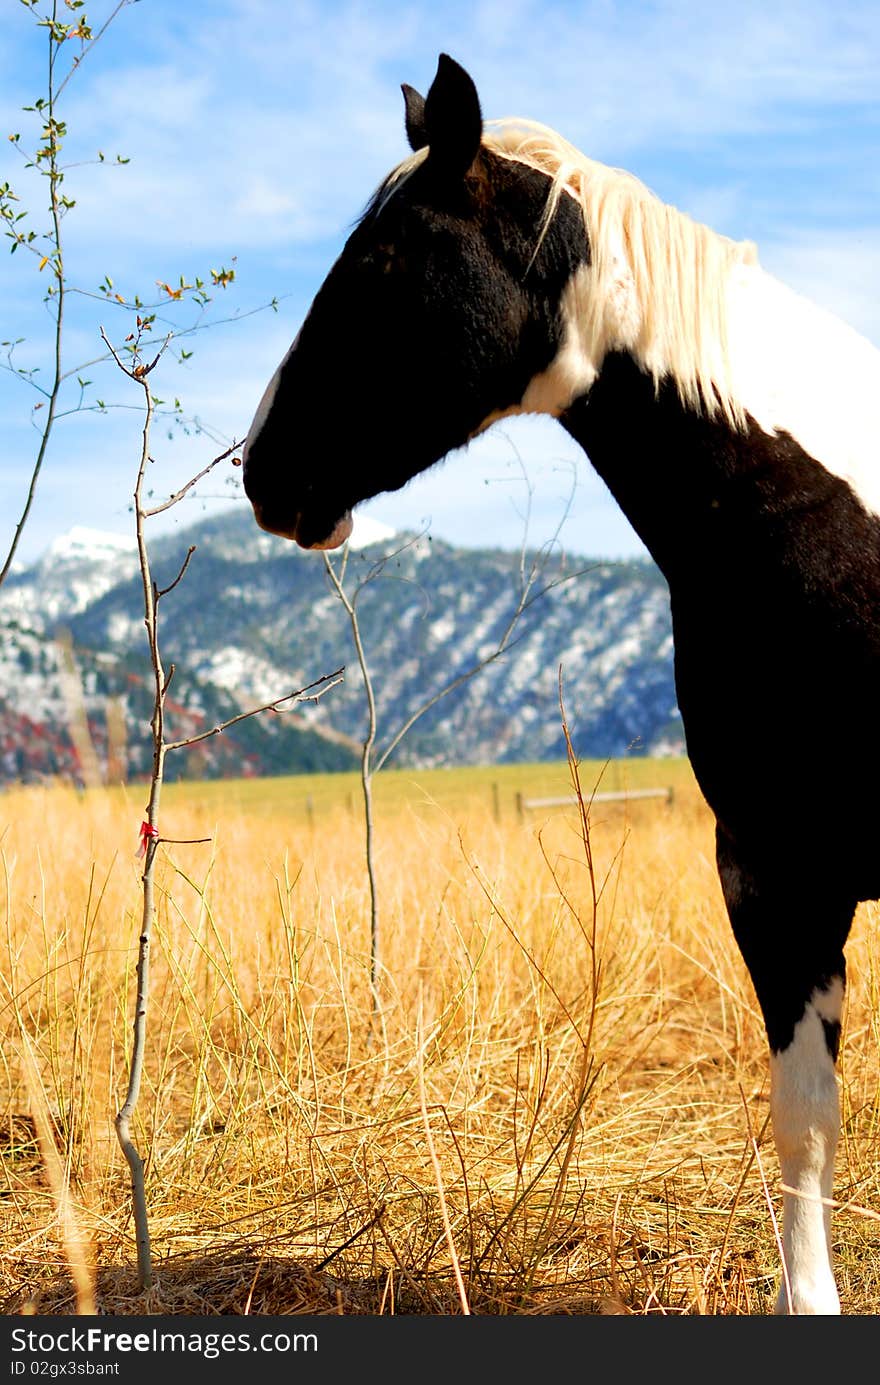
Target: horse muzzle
{"x":307,"y":535}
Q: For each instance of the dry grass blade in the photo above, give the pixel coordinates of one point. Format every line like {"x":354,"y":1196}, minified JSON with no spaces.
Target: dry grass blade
{"x":777,"y":1235}
{"x":74,"y":1242}
{"x":438,"y":1172}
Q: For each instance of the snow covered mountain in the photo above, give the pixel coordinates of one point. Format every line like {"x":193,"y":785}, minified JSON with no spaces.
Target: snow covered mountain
{"x":254,"y":618}
{"x":75,"y":570}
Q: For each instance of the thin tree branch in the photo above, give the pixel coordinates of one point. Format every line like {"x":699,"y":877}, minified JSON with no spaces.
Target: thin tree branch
{"x":163,"y":591}
{"x":59,"y":318}
{"x":178,"y":495}
{"x":138,"y":374}
{"x":174,"y":335}
{"x":77,"y":62}
{"x":367,"y":768}
{"x":330,"y":680}
{"x":505,"y":643}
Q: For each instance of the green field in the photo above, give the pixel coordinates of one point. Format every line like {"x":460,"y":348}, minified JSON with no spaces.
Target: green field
{"x":451,"y":789}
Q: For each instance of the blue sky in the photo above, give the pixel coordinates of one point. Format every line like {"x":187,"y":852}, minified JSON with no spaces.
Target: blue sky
{"x":257,"y":130}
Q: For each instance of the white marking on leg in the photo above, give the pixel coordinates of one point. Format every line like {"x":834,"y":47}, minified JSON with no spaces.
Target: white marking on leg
{"x":805,"y":1108}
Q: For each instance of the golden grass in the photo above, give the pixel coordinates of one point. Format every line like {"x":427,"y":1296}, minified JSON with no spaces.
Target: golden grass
{"x":504,"y":1135}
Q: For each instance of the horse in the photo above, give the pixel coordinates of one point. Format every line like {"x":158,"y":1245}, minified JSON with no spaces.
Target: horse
{"x":498,"y":271}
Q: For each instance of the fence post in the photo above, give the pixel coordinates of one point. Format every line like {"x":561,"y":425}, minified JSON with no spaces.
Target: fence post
{"x":496,"y":803}
{"x":519,"y":806}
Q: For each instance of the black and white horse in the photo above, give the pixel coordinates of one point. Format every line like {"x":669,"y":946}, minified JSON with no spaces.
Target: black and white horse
{"x":498,"y":271}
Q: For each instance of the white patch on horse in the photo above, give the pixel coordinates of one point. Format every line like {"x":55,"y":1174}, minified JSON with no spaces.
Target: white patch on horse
{"x":658,"y":278}
{"x":798,"y":369}
{"x":574,"y":367}
{"x":265,"y":404}
{"x":805,"y":1109}
{"x":571,"y":372}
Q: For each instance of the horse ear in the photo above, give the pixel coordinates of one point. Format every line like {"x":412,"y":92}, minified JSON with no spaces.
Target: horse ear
{"x":415,"y":117}
{"x":453,"y":121}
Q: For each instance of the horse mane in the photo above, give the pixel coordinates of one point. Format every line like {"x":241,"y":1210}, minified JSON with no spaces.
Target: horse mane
{"x":658,"y":281}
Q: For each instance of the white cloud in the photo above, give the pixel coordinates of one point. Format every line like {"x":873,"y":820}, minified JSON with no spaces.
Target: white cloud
{"x":272,"y":127}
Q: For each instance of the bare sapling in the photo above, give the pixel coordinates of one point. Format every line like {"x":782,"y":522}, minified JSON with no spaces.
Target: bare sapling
{"x":60,"y":388}
{"x":151,"y":839}
{"x":47,"y":247}
{"x":533,"y":585}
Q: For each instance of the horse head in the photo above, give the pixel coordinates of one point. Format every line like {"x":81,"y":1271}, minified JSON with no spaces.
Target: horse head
{"x":443,"y":312}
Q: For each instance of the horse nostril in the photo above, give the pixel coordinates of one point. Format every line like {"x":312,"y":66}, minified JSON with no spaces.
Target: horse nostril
{"x":282,"y":529}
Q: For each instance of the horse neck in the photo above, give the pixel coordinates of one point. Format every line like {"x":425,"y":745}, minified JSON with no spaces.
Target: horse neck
{"x":700,"y":494}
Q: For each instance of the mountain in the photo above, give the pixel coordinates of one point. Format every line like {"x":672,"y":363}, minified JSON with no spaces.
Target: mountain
{"x":254,"y":618}
{"x":75,"y":570}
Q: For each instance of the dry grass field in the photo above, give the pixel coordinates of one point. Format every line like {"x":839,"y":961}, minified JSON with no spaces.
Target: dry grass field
{"x":559,"y":1106}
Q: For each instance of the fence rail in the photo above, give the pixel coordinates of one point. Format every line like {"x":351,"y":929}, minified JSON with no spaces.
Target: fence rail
{"x":313,"y":808}
{"x":525,"y":805}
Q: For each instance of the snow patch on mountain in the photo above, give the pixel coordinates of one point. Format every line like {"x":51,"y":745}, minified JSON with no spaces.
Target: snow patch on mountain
{"x":255,"y":617}
{"x":93,"y":545}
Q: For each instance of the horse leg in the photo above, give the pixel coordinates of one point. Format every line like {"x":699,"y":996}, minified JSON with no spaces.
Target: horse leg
{"x":792,"y":942}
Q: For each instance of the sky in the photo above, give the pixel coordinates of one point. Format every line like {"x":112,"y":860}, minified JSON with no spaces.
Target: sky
{"x":255,"y":132}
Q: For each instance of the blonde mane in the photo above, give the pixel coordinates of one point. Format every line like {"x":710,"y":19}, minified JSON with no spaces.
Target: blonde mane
{"x":657,"y":281}
{"x":657,"y":284}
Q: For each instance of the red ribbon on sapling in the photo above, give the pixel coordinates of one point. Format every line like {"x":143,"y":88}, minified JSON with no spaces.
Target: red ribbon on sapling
{"x":148,"y":833}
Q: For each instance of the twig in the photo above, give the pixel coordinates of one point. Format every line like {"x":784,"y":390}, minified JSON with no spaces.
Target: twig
{"x":367,"y":771}
{"x":330,"y":680}
{"x":163,"y":591}
{"x":178,"y":495}
{"x":77,"y":62}
{"x":374,"y":1221}
{"x":179,"y":332}
{"x":138,"y":374}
